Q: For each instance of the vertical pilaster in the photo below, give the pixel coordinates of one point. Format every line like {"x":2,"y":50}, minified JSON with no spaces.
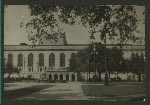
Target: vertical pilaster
{"x":35,"y":62}
{"x":58,"y":76}
{"x":46,"y":60}
{"x":52,"y":76}
{"x":64,"y":77}
{"x":68,"y":56}
{"x":75,"y":77}
{"x":25,"y":62}
{"x":57,"y":60}
{"x":15,"y":59}
{"x":70,"y":77}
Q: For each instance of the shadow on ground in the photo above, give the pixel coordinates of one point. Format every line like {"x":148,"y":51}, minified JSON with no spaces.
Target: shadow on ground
{"x":10,"y":85}
{"x":50,"y":96}
{"x":115,"y":91}
{"x":13,"y":94}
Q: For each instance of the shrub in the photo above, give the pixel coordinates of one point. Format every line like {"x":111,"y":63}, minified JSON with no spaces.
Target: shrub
{"x":51,"y":81}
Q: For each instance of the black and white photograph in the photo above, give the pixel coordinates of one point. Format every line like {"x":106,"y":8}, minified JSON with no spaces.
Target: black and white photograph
{"x":93,"y":52}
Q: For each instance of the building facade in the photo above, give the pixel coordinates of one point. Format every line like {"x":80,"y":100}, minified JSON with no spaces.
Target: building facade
{"x":53,"y":59}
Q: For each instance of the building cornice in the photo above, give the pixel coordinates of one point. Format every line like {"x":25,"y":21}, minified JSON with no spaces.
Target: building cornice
{"x":68,"y":47}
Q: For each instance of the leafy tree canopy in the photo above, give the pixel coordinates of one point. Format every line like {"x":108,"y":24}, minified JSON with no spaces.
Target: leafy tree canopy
{"x":9,"y":68}
{"x":137,"y":64}
{"x":85,"y":58}
{"x":118,"y":23}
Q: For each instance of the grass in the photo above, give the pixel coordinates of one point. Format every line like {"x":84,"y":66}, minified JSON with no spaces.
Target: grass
{"x":114,"y":90}
{"x":12,"y":94}
{"x":116,"y":83}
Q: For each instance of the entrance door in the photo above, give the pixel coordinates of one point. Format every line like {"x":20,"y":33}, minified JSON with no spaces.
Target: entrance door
{"x":67,"y":77}
{"x":73,"y":77}
{"x":61,"y":77}
{"x":55,"y":77}
{"x":50,"y":77}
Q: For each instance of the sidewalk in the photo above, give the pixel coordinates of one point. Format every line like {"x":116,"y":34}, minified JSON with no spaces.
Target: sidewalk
{"x":61,"y":91}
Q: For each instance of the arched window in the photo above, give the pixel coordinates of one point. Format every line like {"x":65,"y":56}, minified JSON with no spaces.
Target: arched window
{"x":55,"y":77}
{"x":62,"y":60}
{"x":20,"y":60}
{"x":41,"y":60}
{"x":9,"y":61}
{"x":51,"y":60}
{"x":30,"y":60}
{"x":50,"y":76}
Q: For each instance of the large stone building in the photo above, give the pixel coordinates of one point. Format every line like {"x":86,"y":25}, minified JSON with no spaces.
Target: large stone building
{"x":52,"y":57}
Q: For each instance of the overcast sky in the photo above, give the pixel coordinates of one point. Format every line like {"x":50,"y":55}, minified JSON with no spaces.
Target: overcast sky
{"x":14,"y":35}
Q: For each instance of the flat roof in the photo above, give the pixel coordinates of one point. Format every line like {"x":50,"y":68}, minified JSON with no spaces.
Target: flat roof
{"x":68,"y":47}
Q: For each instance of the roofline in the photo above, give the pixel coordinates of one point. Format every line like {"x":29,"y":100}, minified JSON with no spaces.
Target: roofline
{"x":76,"y":45}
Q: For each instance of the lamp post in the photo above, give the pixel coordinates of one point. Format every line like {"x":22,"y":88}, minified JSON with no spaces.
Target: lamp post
{"x":94,"y":64}
{"x":87,"y":67}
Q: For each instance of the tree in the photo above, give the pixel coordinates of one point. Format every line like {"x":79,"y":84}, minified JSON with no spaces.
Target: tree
{"x":137,"y":65}
{"x":115,"y":23}
{"x":99,"y":58}
{"x":79,"y":62}
{"x":10,"y":69}
{"x":115,"y":60}
{"x":85,"y":60}
{"x":110,"y":21}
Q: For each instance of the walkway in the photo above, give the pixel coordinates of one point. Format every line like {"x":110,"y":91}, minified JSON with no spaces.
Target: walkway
{"x":61,"y":91}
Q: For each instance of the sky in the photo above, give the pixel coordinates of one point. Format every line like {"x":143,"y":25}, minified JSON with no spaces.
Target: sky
{"x":14,"y":35}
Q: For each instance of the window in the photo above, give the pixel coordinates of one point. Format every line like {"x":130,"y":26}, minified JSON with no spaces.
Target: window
{"x":30,"y":60}
{"x":51,"y":60}
{"x":9,"y":61}
{"x":20,"y":60}
{"x":41,"y":60}
{"x":62,"y":60}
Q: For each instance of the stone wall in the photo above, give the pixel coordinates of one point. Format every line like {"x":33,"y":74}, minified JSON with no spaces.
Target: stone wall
{"x":15,"y":50}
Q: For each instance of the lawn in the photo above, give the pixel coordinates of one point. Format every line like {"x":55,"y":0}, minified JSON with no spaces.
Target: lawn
{"x":12,"y":94}
{"x":116,"y":89}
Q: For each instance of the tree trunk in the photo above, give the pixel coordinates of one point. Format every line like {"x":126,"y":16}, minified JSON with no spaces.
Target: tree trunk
{"x":89,"y":76}
{"x":109,"y":75}
{"x":139,"y":77}
{"x":99,"y":74}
